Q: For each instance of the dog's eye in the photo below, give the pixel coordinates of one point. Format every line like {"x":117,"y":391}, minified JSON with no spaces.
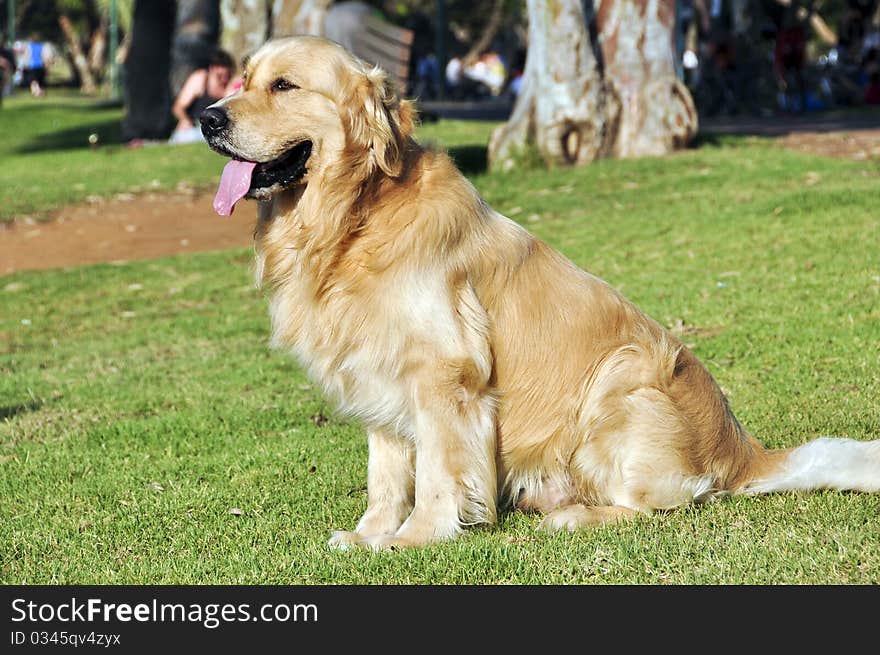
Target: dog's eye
{"x":283,"y":85}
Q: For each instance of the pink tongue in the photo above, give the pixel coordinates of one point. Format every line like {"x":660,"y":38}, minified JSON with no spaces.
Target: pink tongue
{"x":234,"y":184}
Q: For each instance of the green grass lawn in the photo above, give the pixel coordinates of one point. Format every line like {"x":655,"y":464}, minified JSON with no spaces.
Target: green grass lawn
{"x":48,"y":162}
{"x":148,"y":434}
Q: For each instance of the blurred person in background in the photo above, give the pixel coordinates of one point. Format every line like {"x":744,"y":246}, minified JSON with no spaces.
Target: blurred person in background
{"x":484,"y":77}
{"x":7,"y":70}
{"x":202,"y":89}
{"x":37,"y":57}
{"x":789,"y":59}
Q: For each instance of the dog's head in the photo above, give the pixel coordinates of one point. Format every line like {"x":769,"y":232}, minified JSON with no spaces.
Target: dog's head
{"x":306,"y":108}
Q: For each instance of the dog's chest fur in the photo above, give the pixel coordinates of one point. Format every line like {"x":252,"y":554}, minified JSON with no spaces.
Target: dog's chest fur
{"x":363,"y":319}
{"x":359,"y":343}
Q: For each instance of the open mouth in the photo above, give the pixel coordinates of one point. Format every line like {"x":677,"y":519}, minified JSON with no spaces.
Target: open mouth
{"x":285,"y":170}
{"x":243,"y":178}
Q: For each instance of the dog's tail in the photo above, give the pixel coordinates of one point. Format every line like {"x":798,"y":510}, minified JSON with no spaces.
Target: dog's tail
{"x":826,"y":463}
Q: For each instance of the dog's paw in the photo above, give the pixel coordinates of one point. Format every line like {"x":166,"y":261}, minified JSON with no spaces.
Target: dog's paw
{"x":551,"y":524}
{"x":386,"y":542}
{"x":574,"y":517}
{"x":343,"y":540}
{"x":565,"y":518}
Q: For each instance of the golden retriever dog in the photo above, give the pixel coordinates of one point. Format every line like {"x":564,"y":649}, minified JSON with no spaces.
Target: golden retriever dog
{"x":489,"y":371}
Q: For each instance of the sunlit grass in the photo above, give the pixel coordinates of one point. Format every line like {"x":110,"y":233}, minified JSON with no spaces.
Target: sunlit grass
{"x":48,"y":160}
{"x":140,"y":404}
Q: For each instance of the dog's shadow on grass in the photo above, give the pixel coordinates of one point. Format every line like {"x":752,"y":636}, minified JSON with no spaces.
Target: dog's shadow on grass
{"x":712,"y":139}
{"x":74,"y":138}
{"x":9,"y":411}
{"x":471,"y":159}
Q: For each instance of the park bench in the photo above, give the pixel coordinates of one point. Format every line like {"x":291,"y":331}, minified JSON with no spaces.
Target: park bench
{"x":388,"y":46}
{"x":374,"y":40}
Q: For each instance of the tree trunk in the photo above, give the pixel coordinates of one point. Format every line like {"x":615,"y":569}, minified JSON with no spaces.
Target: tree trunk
{"x":87,"y":80}
{"x":291,"y":17}
{"x":578,"y":103}
{"x":489,"y":32}
{"x":561,"y":101}
{"x":311,"y":15}
{"x":246,"y":26}
{"x":656,"y":111}
{"x":98,"y":50}
{"x":283,"y":17}
{"x":196,"y":34}
{"x":147,"y":93}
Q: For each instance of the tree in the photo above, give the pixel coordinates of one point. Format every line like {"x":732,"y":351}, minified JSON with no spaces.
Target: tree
{"x":247,"y":24}
{"x":493,"y":24}
{"x":307,"y":17}
{"x":80,"y":27}
{"x":583,"y":98}
{"x":196,"y":33}
{"x":147,"y":92}
{"x":656,"y":112}
{"x":77,"y":56}
{"x":170,"y":39}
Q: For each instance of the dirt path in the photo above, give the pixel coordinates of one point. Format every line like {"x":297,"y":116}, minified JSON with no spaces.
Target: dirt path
{"x":860,"y":145}
{"x":127,"y":228}
{"x":124,"y":228}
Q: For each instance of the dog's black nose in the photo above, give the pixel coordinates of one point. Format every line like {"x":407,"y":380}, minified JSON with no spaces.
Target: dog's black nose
{"x":213,"y":120}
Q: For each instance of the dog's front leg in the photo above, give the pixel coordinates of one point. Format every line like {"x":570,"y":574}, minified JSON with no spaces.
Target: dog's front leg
{"x":390,"y":488}
{"x":454,"y":436}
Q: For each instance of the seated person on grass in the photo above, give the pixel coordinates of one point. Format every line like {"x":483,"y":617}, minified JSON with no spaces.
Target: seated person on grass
{"x":202,"y":89}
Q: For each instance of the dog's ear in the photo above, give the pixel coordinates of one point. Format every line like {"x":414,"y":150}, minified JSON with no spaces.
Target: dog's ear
{"x":380,"y":122}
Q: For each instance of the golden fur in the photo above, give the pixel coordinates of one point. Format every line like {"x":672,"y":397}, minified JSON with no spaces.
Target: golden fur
{"x":489,"y":370}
